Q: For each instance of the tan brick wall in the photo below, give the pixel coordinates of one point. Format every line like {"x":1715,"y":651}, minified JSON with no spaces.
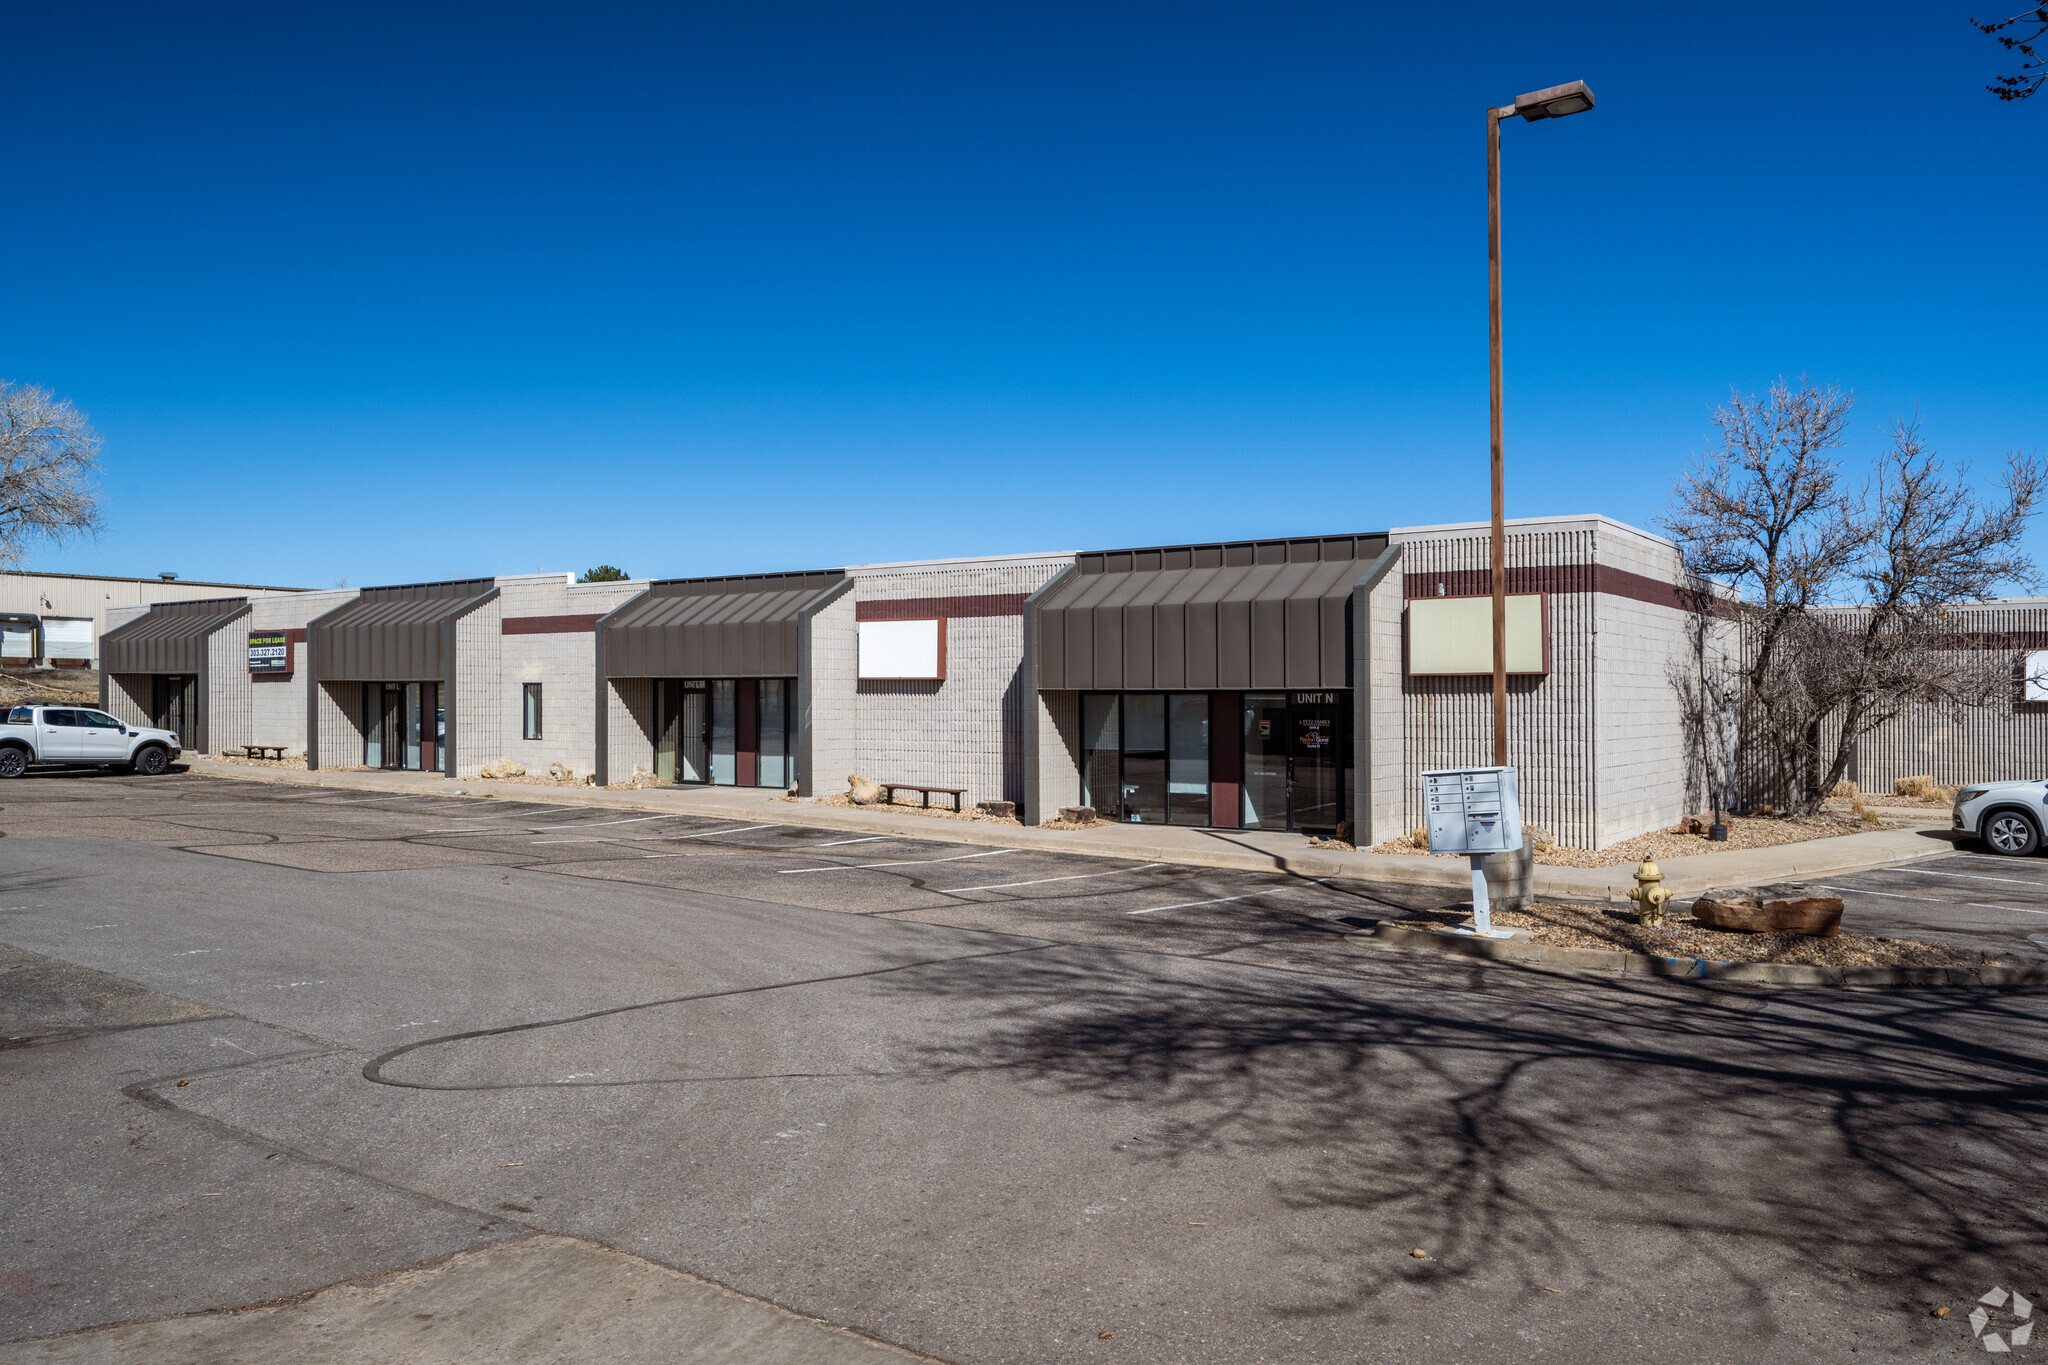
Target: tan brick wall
{"x":629,"y":727}
{"x":1058,"y":718}
{"x":129,"y":696}
{"x":967,"y":731}
{"x":339,"y":717}
{"x":228,"y":691}
{"x":1381,"y":799}
{"x":478,"y":705}
{"x":832,"y":718}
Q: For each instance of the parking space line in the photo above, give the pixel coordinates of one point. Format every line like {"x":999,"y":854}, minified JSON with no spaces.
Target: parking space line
{"x":865,"y":839}
{"x":634,"y":820}
{"x":2010,"y":881}
{"x":653,"y":838}
{"x":913,"y":862}
{"x":1184,"y":905}
{"x":1041,"y":881}
{"x":1929,"y":900}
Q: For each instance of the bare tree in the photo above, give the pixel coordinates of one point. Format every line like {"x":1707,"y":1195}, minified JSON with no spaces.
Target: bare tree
{"x":49,"y":457}
{"x":1848,"y":601}
{"x":2032,"y":26}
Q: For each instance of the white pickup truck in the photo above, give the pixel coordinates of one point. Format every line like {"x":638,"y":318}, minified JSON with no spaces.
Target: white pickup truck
{"x":80,"y":735}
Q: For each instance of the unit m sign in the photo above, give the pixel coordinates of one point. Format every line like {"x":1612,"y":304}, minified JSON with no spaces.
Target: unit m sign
{"x":269,"y":652}
{"x":903,"y":650}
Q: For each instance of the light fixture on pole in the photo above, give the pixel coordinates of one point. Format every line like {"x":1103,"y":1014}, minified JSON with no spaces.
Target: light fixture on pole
{"x":1556,"y":102}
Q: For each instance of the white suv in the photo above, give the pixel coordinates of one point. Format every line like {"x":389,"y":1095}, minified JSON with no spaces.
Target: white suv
{"x":2007,"y":816}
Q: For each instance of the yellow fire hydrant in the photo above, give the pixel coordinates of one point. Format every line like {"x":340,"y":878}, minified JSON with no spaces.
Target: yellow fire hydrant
{"x":1650,"y":893}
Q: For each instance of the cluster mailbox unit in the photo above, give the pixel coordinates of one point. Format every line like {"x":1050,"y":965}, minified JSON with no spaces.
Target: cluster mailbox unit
{"x":1474,"y":811}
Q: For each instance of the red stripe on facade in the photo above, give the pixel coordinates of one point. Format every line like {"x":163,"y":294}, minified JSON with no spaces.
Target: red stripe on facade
{"x":548,"y":625}
{"x":1598,"y":578}
{"x":941,"y":608}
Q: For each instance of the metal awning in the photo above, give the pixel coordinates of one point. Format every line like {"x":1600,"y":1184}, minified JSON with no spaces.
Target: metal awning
{"x":739,"y":627}
{"x":1249,"y":614}
{"x":168,"y":638}
{"x":396,"y":634}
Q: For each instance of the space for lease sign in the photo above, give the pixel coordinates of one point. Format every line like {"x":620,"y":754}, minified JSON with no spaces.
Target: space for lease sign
{"x":268,"y":652}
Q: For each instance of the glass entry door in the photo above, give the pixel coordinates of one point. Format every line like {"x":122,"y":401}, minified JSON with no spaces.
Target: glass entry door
{"x":1146,"y":756}
{"x":403,"y":726}
{"x":725,"y":731}
{"x":174,"y":706}
{"x":1297,"y":760}
{"x":681,"y":741}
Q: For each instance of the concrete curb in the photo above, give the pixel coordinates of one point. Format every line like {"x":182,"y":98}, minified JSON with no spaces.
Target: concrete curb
{"x":1615,"y":962}
{"x":1235,"y":850}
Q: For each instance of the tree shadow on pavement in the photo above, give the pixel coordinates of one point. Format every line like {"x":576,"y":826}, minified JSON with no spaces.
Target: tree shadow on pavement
{"x":1534,"y":1131}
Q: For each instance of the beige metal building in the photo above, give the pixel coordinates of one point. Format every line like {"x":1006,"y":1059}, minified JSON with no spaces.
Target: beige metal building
{"x":59,"y":618}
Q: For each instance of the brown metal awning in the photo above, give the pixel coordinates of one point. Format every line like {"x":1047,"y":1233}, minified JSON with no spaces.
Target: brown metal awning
{"x":168,"y":638}
{"x":1249,"y":614}
{"x":739,"y":627}
{"x":396,"y":634}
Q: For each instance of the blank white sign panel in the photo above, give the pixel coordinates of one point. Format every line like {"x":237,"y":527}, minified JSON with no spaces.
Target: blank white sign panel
{"x":902,"y":649}
{"x":1451,"y":635}
{"x":2037,"y":676}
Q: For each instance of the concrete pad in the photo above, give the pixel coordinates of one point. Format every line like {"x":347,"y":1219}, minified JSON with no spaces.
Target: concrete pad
{"x":540,"y":1299}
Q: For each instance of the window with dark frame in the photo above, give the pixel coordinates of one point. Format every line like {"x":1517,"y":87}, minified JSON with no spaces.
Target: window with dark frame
{"x":532,"y":691}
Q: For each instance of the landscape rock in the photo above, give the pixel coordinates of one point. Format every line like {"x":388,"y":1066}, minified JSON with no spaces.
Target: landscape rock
{"x":862,"y":790}
{"x":1784,"y":908}
{"x":1078,"y":815}
{"x":501,"y":767}
{"x":1004,"y":808}
{"x":561,"y":772}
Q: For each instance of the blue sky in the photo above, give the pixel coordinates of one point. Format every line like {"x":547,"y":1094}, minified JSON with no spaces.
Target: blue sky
{"x":388,"y":294}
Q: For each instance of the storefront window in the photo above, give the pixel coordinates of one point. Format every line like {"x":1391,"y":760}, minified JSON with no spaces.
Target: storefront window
{"x":725,"y":732}
{"x":1146,"y":757}
{"x":777,"y":768}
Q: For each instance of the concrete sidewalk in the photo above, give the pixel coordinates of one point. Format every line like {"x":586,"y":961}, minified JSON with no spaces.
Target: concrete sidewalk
{"x":1242,"y":850}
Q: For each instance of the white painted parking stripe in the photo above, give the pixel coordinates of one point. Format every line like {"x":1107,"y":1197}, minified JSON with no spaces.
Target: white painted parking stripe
{"x":914,"y":862}
{"x":654,"y":838}
{"x":1931,"y":872}
{"x":635,"y":820}
{"x":868,"y":839}
{"x":1930,"y":900}
{"x":1077,"y":877}
{"x":1220,"y":900}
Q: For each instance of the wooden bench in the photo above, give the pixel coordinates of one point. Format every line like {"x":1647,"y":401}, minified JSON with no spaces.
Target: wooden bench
{"x":275,"y":751}
{"x":889,"y":790}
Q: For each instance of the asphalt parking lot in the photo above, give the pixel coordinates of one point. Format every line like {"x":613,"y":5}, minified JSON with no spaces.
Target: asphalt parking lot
{"x":1971,"y":899}
{"x":990,"y":1105}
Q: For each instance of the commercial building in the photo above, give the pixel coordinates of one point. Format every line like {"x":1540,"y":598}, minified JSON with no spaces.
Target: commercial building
{"x":446,"y":677}
{"x":58,"y":619}
{"x":1301,"y":684}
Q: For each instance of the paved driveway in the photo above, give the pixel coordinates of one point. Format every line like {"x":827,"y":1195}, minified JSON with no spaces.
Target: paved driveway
{"x":991,"y":1105}
{"x":1975,"y":900}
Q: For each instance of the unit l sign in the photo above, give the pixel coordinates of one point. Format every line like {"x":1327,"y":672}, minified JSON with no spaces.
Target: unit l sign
{"x":1472,"y":810}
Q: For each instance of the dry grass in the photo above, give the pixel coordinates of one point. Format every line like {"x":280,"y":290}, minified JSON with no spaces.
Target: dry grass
{"x":1586,"y":926}
{"x":1744,"y":831}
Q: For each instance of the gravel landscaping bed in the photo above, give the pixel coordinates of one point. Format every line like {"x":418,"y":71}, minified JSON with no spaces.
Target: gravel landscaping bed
{"x":908,"y":805}
{"x":1587,"y":926}
{"x":296,"y":762}
{"x":1744,"y":831}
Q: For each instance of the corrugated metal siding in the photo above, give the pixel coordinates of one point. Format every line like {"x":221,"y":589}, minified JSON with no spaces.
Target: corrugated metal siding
{"x":2007,"y":740}
{"x":391,"y":634}
{"x":1255,"y":614}
{"x":166,"y":638}
{"x":1448,"y":721}
{"x":742,"y":627}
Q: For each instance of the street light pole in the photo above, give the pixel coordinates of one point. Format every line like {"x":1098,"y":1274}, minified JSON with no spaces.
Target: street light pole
{"x":1556,"y":102}
{"x":1499,"y":575}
